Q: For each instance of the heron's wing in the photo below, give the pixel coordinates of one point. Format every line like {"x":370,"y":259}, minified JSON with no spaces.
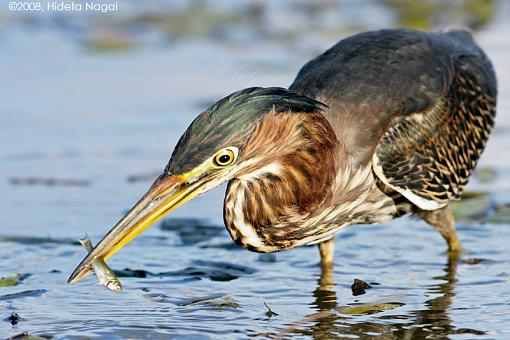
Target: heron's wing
{"x":428,"y":156}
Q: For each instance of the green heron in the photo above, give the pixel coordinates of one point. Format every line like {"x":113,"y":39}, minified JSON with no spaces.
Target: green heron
{"x":383,"y":124}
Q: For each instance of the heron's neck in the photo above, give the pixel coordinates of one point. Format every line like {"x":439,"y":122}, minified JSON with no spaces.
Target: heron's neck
{"x":290,"y":184}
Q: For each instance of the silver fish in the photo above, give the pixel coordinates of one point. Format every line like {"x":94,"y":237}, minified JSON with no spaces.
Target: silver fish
{"x":104,"y":273}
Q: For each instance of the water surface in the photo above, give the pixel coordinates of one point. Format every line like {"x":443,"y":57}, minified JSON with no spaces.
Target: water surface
{"x":90,"y":112}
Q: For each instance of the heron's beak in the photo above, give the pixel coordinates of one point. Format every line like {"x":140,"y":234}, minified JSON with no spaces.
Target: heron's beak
{"x":166,"y":193}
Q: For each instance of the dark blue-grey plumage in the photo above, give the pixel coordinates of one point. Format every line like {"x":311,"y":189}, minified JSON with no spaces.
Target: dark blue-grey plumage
{"x":371,"y":78}
{"x":421,"y":105}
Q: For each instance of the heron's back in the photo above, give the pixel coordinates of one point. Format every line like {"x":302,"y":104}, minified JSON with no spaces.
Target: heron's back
{"x":371,"y":79}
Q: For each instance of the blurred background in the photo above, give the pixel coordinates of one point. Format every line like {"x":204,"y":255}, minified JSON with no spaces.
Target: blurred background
{"x":91,"y":106}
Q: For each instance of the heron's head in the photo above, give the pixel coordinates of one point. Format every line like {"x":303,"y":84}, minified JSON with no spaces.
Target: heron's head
{"x":237,"y":136}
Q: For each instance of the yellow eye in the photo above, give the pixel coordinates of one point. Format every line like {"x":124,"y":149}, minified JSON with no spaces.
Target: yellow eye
{"x":225,"y":157}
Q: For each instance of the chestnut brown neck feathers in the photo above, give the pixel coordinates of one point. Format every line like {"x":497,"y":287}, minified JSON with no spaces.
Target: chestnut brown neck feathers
{"x":269,"y":205}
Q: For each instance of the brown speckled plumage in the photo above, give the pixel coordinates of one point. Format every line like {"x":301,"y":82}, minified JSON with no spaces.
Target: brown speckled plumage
{"x":433,"y":153}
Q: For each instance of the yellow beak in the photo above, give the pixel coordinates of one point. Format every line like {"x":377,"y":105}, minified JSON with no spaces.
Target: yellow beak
{"x":166,"y":194}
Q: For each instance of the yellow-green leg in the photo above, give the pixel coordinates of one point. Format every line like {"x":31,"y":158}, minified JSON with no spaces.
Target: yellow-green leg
{"x":327,"y":251}
{"x":442,"y":220}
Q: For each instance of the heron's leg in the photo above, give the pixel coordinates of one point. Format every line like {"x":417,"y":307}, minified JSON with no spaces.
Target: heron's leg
{"x":327,"y":250}
{"x":442,"y":220}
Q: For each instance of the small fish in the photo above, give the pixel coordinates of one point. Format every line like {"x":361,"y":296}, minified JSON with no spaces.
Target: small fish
{"x":104,"y":273}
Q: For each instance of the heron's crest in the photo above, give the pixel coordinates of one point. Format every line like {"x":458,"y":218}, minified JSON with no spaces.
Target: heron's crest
{"x":231,"y":121}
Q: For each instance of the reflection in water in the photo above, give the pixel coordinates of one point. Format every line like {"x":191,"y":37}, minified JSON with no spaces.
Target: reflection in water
{"x":332,"y":322}
{"x":435,"y":319}
{"x":325,"y":296}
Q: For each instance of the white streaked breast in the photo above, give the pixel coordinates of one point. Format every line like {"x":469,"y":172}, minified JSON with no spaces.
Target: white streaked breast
{"x":244,"y":228}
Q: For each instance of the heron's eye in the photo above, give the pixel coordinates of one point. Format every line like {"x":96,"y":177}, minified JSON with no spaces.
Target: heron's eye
{"x":225,"y":157}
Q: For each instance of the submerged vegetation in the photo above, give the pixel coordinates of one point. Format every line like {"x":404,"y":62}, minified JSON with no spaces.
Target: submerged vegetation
{"x":12,"y":280}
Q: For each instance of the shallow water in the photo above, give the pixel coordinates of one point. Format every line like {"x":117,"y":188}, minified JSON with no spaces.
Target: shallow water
{"x":86,"y":123}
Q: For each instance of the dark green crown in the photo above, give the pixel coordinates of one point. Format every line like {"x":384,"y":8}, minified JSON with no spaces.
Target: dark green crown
{"x":231,"y":121}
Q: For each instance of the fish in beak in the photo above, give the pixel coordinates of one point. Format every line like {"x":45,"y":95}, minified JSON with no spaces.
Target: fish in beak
{"x":166,"y":194}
